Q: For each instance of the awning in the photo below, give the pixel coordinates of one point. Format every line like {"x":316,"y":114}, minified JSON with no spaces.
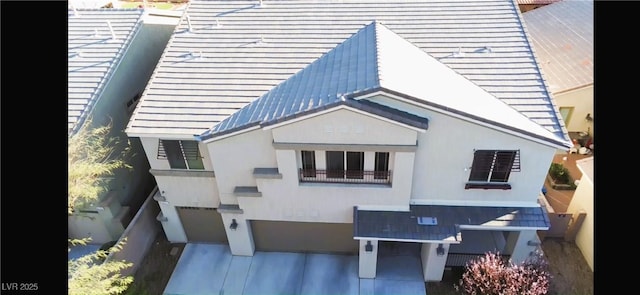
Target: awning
{"x":431,"y":223}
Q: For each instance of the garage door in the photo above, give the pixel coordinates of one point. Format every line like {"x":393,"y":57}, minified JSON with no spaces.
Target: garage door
{"x":304,"y":237}
{"x":202,"y":224}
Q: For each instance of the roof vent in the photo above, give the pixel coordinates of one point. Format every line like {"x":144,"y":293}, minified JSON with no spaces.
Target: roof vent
{"x":218,"y":23}
{"x":113,"y":33}
{"x":427,"y":220}
{"x":196,"y":55}
{"x":75,"y":11}
{"x":261,"y":40}
{"x":458,"y":53}
{"x":487,"y":49}
{"x":95,"y":33}
{"x":260,"y":4}
{"x":189,"y":24}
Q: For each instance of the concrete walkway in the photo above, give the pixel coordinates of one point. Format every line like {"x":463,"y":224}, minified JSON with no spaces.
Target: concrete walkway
{"x":211,"y":269}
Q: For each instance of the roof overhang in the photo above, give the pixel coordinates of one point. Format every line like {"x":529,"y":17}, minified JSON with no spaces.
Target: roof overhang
{"x":436,"y":223}
{"x":548,"y":141}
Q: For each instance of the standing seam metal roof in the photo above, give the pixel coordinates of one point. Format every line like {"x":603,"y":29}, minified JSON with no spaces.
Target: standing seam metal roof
{"x":562,"y":35}
{"x":94,"y":55}
{"x":226,"y":54}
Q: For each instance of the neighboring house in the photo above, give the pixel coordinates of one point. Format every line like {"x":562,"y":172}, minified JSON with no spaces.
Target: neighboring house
{"x":527,"y":5}
{"x":112,"y":53}
{"x":86,"y":4}
{"x":562,"y":35}
{"x":345,"y":126}
{"x":583,"y":202}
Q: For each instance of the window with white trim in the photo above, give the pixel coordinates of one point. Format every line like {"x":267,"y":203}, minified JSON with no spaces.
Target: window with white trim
{"x":181,"y":154}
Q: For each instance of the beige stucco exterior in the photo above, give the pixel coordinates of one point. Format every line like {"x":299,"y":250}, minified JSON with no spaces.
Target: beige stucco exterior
{"x":581,"y":100}
{"x":583,"y":202}
{"x":428,"y":166}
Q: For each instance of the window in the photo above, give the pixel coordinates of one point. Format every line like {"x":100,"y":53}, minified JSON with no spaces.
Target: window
{"x":131,"y":104}
{"x":345,"y":167}
{"x":381,"y":165}
{"x":335,"y":164}
{"x":182,"y":154}
{"x":493,"y":165}
{"x":355,"y":165}
{"x":566,"y":114}
{"x":308,"y":163}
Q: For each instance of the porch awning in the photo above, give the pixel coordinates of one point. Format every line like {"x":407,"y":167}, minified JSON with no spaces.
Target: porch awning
{"x":430,"y":223}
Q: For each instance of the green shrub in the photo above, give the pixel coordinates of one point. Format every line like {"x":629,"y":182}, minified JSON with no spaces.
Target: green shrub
{"x":560,"y":174}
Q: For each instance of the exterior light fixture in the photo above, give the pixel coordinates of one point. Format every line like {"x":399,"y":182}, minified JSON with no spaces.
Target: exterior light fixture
{"x":233,"y":225}
{"x":440,"y":250}
{"x":368,"y":247}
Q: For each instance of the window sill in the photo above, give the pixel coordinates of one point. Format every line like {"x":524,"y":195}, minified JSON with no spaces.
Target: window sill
{"x":502,"y":186}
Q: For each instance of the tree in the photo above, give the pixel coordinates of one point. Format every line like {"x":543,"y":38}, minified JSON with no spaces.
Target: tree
{"x":94,"y":154}
{"x":92,"y":275}
{"x":492,"y":275}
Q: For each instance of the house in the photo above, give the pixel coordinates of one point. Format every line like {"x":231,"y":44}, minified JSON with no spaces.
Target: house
{"x":583,"y":202}
{"x":562,"y":36}
{"x":112,"y":53}
{"x":351,"y":126}
{"x":527,"y":5}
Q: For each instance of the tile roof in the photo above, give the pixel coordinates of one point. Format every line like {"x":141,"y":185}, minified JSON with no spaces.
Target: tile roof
{"x":375,"y":58}
{"x":94,"y":55}
{"x":225,"y":54}
{"x":404,"y":225}
{"x":562,"y":37}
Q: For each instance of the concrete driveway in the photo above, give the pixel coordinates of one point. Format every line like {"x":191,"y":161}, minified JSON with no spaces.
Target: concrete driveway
{"x":211,"y":269}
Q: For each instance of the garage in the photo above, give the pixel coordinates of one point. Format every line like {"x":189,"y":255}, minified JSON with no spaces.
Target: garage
{"x":202,"y":224}
{"x":304,"y":237}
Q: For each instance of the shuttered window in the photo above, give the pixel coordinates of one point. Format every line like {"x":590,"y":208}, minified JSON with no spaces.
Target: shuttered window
{"x":494,"y":165}
{"x":181,"y":154}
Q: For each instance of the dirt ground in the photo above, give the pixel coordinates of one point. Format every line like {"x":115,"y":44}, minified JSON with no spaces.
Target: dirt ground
{"x":155,"y":271}
{"x":571,"y":274}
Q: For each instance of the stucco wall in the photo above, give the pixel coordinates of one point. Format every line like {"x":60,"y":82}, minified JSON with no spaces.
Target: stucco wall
{"x":445,"y":155}
{"x":138,"y":237}
{"x":582,"y":101}
{"x":583,"y":201}
{"x":287,"y":198}
{"x":345,"y":126}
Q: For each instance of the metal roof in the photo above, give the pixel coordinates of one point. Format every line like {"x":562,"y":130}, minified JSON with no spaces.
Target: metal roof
{"x":562,"y":36}
{"x":94,"y":55}
{"x":404,"y":225}
{"x":225,"y":54}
